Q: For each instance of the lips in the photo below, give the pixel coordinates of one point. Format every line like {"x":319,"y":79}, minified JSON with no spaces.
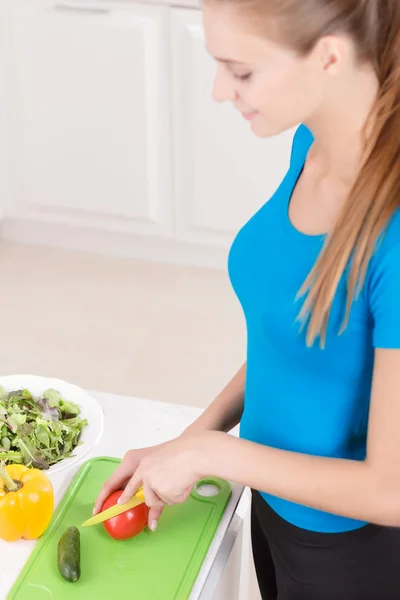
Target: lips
{"x":249,"y":116}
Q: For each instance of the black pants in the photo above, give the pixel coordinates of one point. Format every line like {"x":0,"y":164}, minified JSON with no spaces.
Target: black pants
{"x":295,"y":564}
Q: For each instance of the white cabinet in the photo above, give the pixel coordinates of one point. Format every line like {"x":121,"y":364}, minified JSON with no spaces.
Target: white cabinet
{"x":114,"y":131}
{"x":91,"y":114}
{"x":223,"y":173}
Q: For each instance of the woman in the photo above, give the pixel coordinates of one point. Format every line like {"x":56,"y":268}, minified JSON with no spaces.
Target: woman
{"x":317,"y":271}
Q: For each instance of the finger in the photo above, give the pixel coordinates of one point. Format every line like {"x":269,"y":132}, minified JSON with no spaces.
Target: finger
{"x":185,"y":495}
{"x":117,"y":481}
{"x":176,"y":498}
{"x":156,"y":505}
{"x":154,"y":515}
{"x":107,"y":489}
{"x":131,"y":488}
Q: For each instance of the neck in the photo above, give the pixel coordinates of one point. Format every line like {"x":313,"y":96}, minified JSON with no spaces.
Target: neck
{"x":338,"y":125}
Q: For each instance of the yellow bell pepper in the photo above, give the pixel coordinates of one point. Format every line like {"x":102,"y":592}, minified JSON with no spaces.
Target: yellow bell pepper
{"x":26,"y":502}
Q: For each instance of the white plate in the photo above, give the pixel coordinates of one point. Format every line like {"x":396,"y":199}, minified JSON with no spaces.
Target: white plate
{"x":90,"y":410}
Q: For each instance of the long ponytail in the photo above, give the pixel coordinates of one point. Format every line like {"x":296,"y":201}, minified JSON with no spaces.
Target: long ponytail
{"x":375,"y":195}
{"x":374,"y":26}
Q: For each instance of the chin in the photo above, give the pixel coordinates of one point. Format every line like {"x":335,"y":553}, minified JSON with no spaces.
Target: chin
{"x":265,"y":130}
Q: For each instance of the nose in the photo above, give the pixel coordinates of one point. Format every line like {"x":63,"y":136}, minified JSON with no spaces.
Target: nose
{"x":224,"y":90}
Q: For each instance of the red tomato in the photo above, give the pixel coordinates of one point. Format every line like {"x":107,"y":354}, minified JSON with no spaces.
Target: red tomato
{"x":129,"y":523}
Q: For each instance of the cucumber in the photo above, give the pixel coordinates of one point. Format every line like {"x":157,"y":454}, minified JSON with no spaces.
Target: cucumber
{"x":69,"y":554}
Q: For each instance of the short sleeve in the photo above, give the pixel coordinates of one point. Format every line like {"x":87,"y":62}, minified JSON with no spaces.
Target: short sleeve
{"x":384,"y":292}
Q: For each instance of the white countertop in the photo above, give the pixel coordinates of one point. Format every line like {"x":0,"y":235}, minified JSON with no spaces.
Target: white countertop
{"x":136,"y":423}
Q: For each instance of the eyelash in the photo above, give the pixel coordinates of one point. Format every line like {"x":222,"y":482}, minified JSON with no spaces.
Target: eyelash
{"x":243,"y":77}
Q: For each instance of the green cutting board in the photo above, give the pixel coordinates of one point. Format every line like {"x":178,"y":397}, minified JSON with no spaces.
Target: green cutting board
{"x":151,"y":566}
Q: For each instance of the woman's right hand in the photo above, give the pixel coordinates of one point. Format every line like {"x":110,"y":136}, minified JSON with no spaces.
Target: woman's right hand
{"x":122,"y":474}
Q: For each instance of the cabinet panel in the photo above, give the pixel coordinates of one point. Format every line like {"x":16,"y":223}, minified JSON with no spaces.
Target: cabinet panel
{"x":91,"y":113}
{"x":223,"y":172}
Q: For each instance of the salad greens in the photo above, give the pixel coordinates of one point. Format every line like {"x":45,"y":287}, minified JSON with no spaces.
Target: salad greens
{"x":38,"y":431}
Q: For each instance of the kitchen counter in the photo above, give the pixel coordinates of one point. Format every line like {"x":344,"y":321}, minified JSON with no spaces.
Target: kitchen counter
{"x":130,"y":423}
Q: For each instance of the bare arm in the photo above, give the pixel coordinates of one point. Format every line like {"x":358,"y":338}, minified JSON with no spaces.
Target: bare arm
{"x":368,"y":490}
{"x":225,"y":412}
{"x":222,"y":415}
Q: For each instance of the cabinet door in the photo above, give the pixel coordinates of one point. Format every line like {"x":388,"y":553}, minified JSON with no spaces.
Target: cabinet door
{"x":223,"y":172}
{"x":91,"y":114}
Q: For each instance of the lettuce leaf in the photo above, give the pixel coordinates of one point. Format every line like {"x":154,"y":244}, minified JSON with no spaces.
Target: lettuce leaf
{"x":38,"y":431}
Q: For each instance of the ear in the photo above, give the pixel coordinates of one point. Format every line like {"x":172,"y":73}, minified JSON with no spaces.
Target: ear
{"x":333,"y":51}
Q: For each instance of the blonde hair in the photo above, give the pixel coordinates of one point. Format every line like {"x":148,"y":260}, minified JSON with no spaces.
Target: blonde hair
{"x":374,"y":27}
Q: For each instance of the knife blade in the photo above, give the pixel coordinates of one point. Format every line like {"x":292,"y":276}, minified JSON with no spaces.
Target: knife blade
{"x":115,"y":510}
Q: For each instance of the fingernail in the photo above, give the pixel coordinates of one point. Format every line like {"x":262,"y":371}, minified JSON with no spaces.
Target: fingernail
{"x":94,"y":512}
{"x":119,"y":501}
{"x":153,"y":525}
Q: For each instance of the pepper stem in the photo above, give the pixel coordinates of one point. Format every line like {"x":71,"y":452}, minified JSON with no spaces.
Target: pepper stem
{"x":9,"y":484}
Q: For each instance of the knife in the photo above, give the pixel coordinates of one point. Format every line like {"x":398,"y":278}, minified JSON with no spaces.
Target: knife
{"x":115,"y":510}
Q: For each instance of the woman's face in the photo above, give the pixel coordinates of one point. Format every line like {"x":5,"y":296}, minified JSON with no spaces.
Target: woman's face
{"x":271,"y":86}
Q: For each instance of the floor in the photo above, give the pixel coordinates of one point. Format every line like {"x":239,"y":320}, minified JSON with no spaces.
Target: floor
{"x":168,"y":333}
{"x":163,"y":332}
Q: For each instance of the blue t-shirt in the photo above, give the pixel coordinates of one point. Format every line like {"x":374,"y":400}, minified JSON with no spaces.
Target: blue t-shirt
{"x":309,"y":400}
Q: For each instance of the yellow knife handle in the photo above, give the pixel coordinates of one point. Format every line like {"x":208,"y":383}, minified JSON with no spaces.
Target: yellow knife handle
{"x":138,"y":496}
{"x":140,"y":493}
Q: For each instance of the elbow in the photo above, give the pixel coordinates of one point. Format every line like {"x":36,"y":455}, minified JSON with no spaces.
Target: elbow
{"x":389,"y":516}
{"x":386,"y":508}
{"x":387,"y":519}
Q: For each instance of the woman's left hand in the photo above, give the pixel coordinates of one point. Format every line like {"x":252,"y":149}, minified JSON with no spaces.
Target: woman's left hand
{"x":169,"y":474}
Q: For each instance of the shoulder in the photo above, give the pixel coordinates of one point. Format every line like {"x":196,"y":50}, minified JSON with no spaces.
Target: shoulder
{"x":384,"y":267}
{"x":302,"y":140}
{"x":383,"y":285}
{"x":388,"y":243}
